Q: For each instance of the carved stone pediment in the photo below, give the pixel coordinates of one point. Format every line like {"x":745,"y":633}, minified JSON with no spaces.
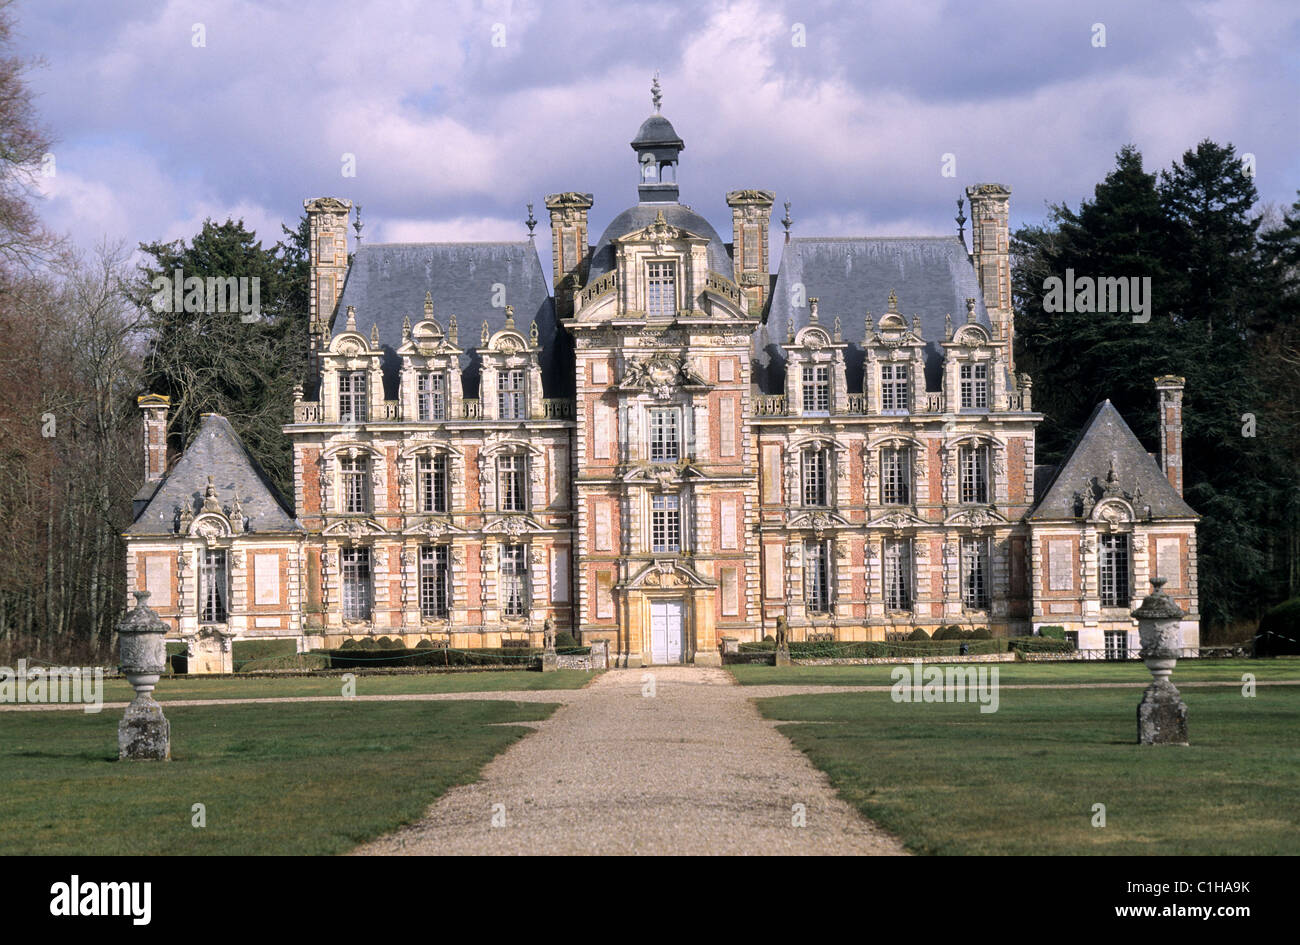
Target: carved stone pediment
{"x":667,"y":573}
{"x":433,"y":528}
{"x":661,"y":374}
{"x":354,"y":528}
{"x":513,"y":526}
{"x":975,"y":518}
{"x":818,"y":520}
{"x":897,"y":519}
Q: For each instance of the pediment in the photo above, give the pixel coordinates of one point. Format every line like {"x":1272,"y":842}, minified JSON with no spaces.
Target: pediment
{"x":433,"y":528}
{"x":818,"y":520}
{"x":975,"y":518}
{"x":660,"y":231}
{"x":513,"y":525}
{"x":354,"y":528}
{"x":663,"y":474}
{"x":667,"y":573}
{"x":896,"y":519}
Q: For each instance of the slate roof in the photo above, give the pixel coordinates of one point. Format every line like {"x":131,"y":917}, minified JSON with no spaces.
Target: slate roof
{"x":1107,"y":439}
{"x":657,"y":130}
{"x":388,"y":281}
{"x":216,"y":451}
{"x":932,"y":276}
{"x":675,"y":214}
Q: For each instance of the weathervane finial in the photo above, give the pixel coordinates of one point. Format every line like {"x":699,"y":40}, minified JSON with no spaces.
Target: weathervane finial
{"x":656,"y":93}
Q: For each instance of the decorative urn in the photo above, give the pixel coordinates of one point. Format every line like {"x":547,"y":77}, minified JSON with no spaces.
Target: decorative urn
{"x":144,"y":734}
{"x":1162,"y":715}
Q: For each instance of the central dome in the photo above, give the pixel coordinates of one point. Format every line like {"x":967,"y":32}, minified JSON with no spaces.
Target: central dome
{"x":641,"y":216}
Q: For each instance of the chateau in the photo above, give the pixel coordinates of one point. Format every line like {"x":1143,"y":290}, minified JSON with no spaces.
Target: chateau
{"x":667,"y":446}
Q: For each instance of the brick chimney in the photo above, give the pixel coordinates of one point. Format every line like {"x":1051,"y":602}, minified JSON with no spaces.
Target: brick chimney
{"x":1170,"y":389}
{"x":154,"y":407}
{"x":751,"y":214}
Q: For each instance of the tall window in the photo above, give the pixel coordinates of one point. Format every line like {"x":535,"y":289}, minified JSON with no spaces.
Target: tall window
{"x":975,"y":572}
{"x":664,"y":439}
{"x":356,"y":583}
{"x":898,"y":574}
{"x":1114,"y":568}
{"x":431,"y":482}
{"x":514,"y":591}
{"x":895,"y":476}
{"x":973,"y":474}
{"x":435,"y":581}
{"x":661,"y":289}
{"x":511,"y":483}
{"x":356,"y":495}
{"x":215,"y":585}
{"x":431,"y":396}
{"x":1116,"y":642}
{"x":814,"y":477}
{"x":817,"y":577}
{"x":665,"y":523}
{"x":974,"y":386}
{"x":510,"y":395}
{"x":816,"y":388}
{"x":352,"y":397}
{"x":893,"y":388}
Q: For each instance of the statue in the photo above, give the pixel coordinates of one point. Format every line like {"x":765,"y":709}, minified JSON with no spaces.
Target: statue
{"x":548,"y":633}
{"x":782,"y":633}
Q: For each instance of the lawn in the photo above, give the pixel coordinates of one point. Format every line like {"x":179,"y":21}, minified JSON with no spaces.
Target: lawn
{"x":1023,"y":780}
{"x":173,"y":689}
{"x":1228,"y":671}
{"x":314,"y":778}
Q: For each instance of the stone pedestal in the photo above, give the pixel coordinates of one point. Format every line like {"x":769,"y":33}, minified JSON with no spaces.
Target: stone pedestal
{"x":144,"y":734}
{"x":1162,"y":715}
{"x":708,"y":658}
{"x":783,"y":656}
{"x":550,"y":662}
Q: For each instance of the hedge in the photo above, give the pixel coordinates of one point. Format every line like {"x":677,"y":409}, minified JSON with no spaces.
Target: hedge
{"x":1040,"y":645}
{"x":441,"y":656}
{"x":881,"y":649}
{"x":252,"y":655}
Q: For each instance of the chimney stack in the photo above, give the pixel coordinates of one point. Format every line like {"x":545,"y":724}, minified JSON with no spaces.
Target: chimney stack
{"x":154,"y":407}
{"x":1171,"y":428}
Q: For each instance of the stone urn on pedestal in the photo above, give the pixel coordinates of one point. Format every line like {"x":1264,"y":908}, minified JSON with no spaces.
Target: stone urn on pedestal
{"x":1162,"y":715}
{"x":144,"y":732}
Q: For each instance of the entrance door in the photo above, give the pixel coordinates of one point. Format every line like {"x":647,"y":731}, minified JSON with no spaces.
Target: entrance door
{"x":666,"y":632}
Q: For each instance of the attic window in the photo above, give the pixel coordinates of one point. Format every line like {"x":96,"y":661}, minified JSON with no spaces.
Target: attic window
{"x":352,"y":397}
{"x":974,"y":387}
{"x":661,"y":289}
{"x":893,"y":388}
{"x":432,"y":397}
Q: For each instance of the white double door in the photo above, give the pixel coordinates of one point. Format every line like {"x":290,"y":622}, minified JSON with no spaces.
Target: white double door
{"x":666,"y":631}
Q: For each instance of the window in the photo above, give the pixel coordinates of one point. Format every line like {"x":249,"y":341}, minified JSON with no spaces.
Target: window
{"x":1114,"y":569}
{"x":817,"y":577}
{"x":898,"y":574}
{"x":975,"y":572}
{"x":352,"y":397}
{"x":665,"y":523}
{"x":1116,"y":644}
{"x":431,"y":397}
{"x":814,"y":477}
{"x":664,"y":439}
{"x":431,"y":482}
{"x":661,"y":289}
{"x":816,"y":388}
{"x":514,"y":598}
{"x":895,"y":476}
{"x":973,"y":470}
{"x":213,"y":593}
{"x":435,"y":581}
{"x":356,"y":497}
{"x":510,"y":395}
{"x":893,"y":388}
{"x":974,"y":386}
{"x":356,"y":583}
{"x":511,"y":483}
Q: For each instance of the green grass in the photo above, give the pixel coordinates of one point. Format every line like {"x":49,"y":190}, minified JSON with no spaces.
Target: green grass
{"x":276,"y":779}
{"x":1023,"y":780}
{"x":173,"y":689}
{"x":1022,"y":673}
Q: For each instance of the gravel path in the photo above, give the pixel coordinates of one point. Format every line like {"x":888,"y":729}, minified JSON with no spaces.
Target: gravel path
{"x":692,"y":769}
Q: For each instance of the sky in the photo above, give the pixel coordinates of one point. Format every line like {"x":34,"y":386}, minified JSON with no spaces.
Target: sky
{"x":870,"y":118}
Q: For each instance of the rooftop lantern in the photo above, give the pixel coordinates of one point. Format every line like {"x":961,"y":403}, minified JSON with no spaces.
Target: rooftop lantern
{"x":657,"y":146}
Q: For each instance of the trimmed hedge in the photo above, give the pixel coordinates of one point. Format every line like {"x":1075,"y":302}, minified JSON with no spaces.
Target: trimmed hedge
{"x":439,"y":656}
{"x":1279,"y":630}
{"x":1052,"y":633}
{"x":917,"y":634}
{"x":252,"y":655}
{"x":882,"y":649}
{"x":1040,"y":644}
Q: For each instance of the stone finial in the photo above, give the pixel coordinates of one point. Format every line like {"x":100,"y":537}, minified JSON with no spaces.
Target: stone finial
{"x":453,"y":330}
{"x":893,"y":302}
{"x":656,"y":93}
{"x":970,"y":311}
{"x":787,"y":221}
{"x":812,"y":308}
{"x":210,"y":501}
{"x":916,"y":324}
{"x":236,"y":515}
{"x":186,"y":519}
{"x":374,"y":335}
{"x":532,"y":333}
{"x":531,"y":222}
{"x":352,"y":319}
{"x":961,"y":221}
{"x":487,"y":334}
{"x":869,"y":324}
{"x":358,"y":224}
{"x":428,"y":305}
{"x":406,"y":327}
{"x":838,"y":328}
{"x":947,"y":326}
{"x":510,"y":316}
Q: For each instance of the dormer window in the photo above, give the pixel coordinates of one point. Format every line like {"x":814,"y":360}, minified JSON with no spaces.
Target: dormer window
{"x":974,"y":387}
{"x":895,"y":476}
{"x":664,"y":436}
{"x":352,"y":397}
{"x":661,"y":289}
{"x":431,"y":397}
{"x":816,"y":388}
{"x":510,"y":394}
{"x":893,"y":388}
{"x":973,"y":473}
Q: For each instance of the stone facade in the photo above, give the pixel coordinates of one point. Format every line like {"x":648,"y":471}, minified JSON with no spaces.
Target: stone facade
{"x":672,"y":446}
